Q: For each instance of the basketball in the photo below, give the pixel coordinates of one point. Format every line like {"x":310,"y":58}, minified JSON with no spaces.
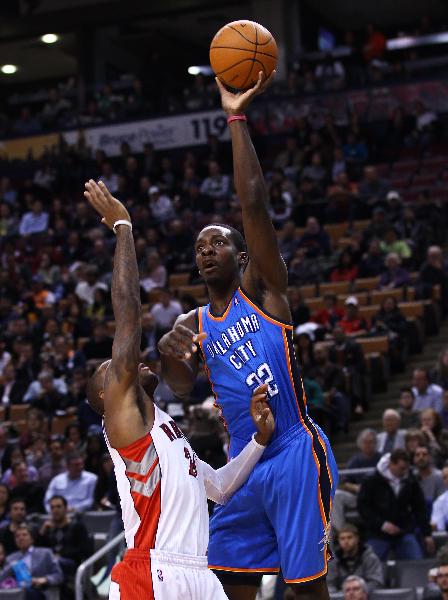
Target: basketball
{"x":240,"y":50}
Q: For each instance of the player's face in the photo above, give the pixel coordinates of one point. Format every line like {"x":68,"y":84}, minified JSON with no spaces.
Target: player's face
{"x":216,"y":256}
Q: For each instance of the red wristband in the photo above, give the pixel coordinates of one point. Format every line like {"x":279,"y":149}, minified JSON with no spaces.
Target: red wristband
{"x":236,"y":118}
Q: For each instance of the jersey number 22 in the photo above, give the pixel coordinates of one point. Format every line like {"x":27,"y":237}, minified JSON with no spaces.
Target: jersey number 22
{"x":263,"y":374}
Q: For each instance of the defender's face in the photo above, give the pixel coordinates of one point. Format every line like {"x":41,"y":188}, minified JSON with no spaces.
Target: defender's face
{"x":216,"y":256}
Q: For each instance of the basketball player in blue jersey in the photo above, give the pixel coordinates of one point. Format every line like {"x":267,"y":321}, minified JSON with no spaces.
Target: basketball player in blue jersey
{"x":281,"y":517}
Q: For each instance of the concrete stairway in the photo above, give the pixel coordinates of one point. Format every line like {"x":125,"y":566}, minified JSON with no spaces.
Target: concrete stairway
{"x":345,"y":444}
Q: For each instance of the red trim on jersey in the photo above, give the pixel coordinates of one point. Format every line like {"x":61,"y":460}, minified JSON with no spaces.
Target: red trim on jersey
{"x":148,"y":509}
{"x":137,"y":449}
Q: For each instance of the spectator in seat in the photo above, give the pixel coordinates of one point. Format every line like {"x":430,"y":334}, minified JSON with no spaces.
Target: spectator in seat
{"x":436,"y":437}
{"x":375,"y":46}
{"x":346,"y":270}
{"x":429,"y":478}
{"x":390,"y":321}
{"x":100,"y":344}
{"x":4,"y":503}
{"x":372,"y":190}
{"x":439,"y":374}
{"x":392,"y":507}
{"x":155,"y":274}
{"x":352,"y":557}
{"x":17,"y":516}
{"x":76,"y":485}
{"x":41,"y":564}
{"x":347,"y":492}
{"x":85,"y":289}
{"x":315,"y":240}
{"x":439,"y":514}
{"x":392,"y":437}
{"x":391,"y":244}
{"x":49,"y":395}
{"x":331,"y":379}
{"x":56,"y":463}
{"x":216,"y":186}
{"x":6,"y":449}
{"x":409,"y":416}
{"x":330,"y":314}
{"x":299,"y":310}
{"x":355,"y":588}
{"x":348,"y":354}
{"x":66,"y":536}
{"x":395,"y":276}
{"x":442,"y":584}
{"x":351,"y":323}
{"x":290,"y":159}
{"x":372,"y":263}
{"x":165,"y":312}
{"x":433,"y":273}
{"x":161,"y":206}
{"x":427,"y":394}
{"x":24,"y":488}
{"x":108,"y":177}
{"x":330,"y":74}
{"x":36,"y":425}
{"x":34,"y":221}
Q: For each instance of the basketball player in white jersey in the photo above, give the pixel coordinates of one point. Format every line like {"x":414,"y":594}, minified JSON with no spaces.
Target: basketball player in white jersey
{"x":163,"y":486}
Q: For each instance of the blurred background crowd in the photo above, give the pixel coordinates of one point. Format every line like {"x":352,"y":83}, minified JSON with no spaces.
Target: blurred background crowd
{"x":359,"y":206}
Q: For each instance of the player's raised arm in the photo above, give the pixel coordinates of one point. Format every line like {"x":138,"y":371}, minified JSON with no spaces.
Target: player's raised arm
{"x":122,"y":374}
{"x":220,"y":484}
{"x":265,"y":262}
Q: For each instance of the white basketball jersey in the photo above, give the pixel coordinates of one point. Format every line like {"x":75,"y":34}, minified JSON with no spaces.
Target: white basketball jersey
{"x":162,"y":491}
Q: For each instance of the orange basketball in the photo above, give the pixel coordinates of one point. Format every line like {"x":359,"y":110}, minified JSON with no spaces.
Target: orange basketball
{"x":240,"y":50}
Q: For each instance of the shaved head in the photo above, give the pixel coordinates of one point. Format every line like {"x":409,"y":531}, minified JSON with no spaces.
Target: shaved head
{"x":95,"y":387}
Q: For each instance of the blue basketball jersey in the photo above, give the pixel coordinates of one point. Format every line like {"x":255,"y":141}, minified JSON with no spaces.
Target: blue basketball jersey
{"x":244,"y":348}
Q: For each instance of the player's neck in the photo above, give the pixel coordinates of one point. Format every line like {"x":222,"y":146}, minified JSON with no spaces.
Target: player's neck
{"x":220,"y":295}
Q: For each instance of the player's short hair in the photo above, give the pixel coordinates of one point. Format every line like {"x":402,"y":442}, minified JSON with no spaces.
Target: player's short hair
{"x":237,"y":238}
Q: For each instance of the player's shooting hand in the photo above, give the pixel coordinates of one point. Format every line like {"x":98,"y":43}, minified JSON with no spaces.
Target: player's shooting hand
{"x":180,"y":342}
{"x":110,"y":209}
{"x":235,"y":103}
{"x":262,"y":415}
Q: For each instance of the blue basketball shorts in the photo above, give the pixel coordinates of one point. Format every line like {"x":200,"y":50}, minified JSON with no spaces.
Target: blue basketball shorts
{"x":280,"y":517}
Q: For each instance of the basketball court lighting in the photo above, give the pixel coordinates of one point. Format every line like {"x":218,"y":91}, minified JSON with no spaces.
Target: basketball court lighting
{"x":49,"y":38}
{"x":203,"y":69}
{"x":8,"y":69}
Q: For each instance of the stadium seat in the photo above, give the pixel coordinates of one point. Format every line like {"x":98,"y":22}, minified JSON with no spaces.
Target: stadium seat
{"x":397,"y":594}
{"x":58,"y":424}
{"x":412,"y":309}
{"x":177,"y":279}
{"x":371,"y":345}
{"x":340,"y":287}
{"x":368,"y":312}
{"x":367,"y":284}
{"x":413,"y":572}
{"x":314,"y":304}
{"x":307,"y":291}
{"x":17,"y":412}
{"x":379,"y":296}
{"x":12,"y":594}
{"x":98,"y":521}
{"x":197,"y":291}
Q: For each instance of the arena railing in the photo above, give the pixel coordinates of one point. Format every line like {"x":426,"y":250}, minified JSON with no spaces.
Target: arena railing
{"x":85,"y":568}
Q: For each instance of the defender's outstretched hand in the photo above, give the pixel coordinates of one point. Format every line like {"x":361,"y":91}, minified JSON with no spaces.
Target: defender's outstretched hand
{"x":110,"y":209}
{"x":180,"y":342}
{"x":236,"y":103}
{"x":262,"y":415}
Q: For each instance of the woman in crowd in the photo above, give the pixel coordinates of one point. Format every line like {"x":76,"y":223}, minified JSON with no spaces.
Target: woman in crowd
{"x":436,"y":437}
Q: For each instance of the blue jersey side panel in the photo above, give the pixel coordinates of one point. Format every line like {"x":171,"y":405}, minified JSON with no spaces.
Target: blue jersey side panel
{"x":245,"y":348}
